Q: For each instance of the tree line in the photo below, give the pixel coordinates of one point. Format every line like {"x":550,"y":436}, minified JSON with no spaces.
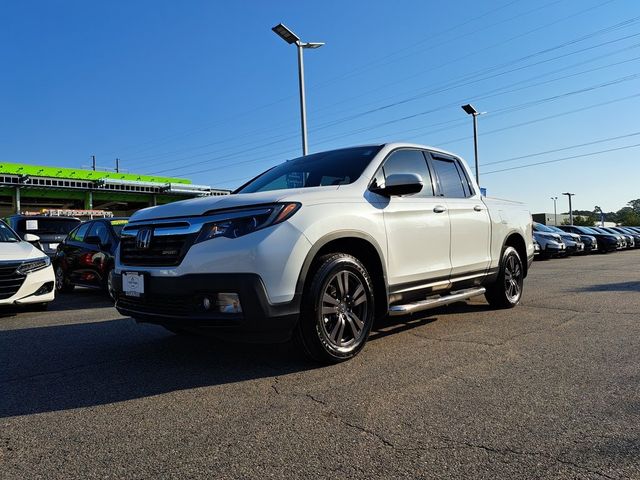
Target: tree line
{"x":628,"y":215}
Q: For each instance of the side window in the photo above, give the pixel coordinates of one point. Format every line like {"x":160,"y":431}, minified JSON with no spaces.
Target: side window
{"x":79,"y":233}
{"x":99,"y":229}
{"x":452,"y":181}
{"x":408,"y":161}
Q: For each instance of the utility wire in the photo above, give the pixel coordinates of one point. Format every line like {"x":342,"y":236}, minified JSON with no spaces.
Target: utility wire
{"x":284,"y":138}
{"x":570,"y":147}
{"x":431,"y":68}
{"x":588,"y":107}
{"x":626,"y":147}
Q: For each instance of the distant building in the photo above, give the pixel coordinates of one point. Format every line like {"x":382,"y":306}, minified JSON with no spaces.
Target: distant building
{"x":549,"y":218}
{"x":30,"y":188}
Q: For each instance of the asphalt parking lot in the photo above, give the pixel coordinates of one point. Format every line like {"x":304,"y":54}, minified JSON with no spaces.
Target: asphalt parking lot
{"x":550,"y":389}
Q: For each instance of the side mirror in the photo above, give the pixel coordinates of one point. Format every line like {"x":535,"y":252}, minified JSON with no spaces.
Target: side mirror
{"x":400,"y":184}
{"x":31,"y":238}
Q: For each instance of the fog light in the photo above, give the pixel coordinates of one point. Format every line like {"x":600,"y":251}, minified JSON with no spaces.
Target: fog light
{"x":46,"y":288}
{"x":228,"y":303}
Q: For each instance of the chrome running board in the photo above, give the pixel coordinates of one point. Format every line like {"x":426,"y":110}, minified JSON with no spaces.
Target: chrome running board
{"x":433,"y":302}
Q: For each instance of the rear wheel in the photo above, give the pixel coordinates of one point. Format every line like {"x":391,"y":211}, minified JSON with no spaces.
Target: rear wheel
{"x":337,"y":309}
{"x":62,"y":282}
{"x":506,"y":292}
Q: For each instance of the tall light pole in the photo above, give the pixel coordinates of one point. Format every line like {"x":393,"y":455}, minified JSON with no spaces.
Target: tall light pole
{"x":570,"y":208}
{"x":555,"y":211}
{"x":290,"y":37}
{"x":472,"y":111}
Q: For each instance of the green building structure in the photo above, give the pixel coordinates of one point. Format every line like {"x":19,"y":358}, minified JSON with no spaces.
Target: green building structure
{"x":31,"y":188}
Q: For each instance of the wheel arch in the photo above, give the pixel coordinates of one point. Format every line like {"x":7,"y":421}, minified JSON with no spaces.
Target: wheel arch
{"x":516,"y":240}
{"x":364,"y":248}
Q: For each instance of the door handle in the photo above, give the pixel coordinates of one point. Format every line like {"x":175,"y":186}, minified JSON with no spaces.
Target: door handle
{"x":439,"y":209}
{"x":477,"y":208}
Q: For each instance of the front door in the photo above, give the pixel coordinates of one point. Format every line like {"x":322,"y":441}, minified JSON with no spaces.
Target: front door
{"x":417,"y":226}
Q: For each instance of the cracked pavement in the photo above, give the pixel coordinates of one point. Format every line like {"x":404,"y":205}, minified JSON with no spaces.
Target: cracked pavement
{"x":550,"y":389}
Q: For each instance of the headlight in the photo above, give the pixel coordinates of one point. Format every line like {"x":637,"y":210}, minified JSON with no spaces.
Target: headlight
{"x":34,"y":265}
{"x":247,"y":221}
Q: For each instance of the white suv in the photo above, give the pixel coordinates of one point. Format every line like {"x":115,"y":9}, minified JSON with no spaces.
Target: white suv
{"x":318,"y":247}
{"x":26,"y":274}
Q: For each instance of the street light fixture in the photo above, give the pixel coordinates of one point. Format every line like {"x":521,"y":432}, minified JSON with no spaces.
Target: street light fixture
{"x":555,"y":211}
{"x":570,"y":208}
{"x":469,"y":109}
{"x":288,"y":36}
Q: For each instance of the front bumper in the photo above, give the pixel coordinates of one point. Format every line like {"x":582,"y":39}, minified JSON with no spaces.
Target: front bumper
{"x":35,"y":282}
{"x":177,"y":302}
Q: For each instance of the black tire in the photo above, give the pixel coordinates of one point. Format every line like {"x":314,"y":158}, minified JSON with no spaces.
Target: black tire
{"x":108,"y":286}
{"x":506,"y":292}
{"x":337,"y":311}
{"x":62,"y":282}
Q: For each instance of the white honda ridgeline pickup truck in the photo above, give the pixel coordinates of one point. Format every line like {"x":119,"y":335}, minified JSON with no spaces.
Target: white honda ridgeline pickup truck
{"x":319,"y":247}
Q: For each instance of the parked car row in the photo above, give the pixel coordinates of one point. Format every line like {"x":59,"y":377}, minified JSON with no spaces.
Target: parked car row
{"x":564,"y":240}
{"x":64,"y":251}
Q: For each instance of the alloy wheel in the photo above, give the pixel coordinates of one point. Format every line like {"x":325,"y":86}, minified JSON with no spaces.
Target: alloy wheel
{"x":344,"y":310}
{"x":513,"y":278}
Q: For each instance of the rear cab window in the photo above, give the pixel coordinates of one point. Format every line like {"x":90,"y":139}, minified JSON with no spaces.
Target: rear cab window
{"x":451,"y":179}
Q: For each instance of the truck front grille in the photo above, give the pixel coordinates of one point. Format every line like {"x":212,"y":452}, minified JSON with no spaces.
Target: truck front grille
{"x":163,"y":251}
{"x":10,"y":279}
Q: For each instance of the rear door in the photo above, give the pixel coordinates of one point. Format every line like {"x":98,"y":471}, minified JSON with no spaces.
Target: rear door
{"x":417,"y":225}
{"x":468,"y":216}
{"x":72,"y":251}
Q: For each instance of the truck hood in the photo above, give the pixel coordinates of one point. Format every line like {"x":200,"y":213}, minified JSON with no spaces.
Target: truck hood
{"x":19,"y":251}
{"x":200,"y":206}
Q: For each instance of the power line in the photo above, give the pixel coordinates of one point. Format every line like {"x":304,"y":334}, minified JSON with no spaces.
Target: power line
{"x":636,"y":145}
{"x":571,"y":147}
{"x":440,"y":144}
{"x":492,"y":93}
{"x":431,"y":68}
{"x":218,"y":122}
{"x":502,"y":112}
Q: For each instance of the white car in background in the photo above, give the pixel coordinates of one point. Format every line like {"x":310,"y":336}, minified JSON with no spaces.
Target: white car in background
{"x":26,"y":274}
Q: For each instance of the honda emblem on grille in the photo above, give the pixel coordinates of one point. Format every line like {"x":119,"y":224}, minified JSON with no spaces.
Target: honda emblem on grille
{"x":143,"y":238}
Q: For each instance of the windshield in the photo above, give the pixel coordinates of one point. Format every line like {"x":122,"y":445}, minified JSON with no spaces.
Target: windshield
{"x":538,"y":227}
{"x":336,"y":167}
{"x":6,"y":234}
{"x":587,"y":230}
{"x":38,"y":226}
{"x":555,"y":229}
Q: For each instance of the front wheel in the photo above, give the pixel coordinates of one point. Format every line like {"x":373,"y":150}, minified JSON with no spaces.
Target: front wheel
{"x":337,"y":309}
{"x":506,"y":292}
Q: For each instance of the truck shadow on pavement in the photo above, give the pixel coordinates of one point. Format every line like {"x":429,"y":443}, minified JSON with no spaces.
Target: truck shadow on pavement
{"x":60,"y":367}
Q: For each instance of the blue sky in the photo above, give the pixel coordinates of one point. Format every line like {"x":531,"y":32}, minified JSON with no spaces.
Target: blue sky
{"x":205,"y":90}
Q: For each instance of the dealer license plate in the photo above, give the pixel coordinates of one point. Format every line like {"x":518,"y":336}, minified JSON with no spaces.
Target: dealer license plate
{"x":133,"y":284}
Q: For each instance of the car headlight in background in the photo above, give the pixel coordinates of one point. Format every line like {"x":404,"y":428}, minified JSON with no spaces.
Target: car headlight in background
{"x":34,"y":265}
{"x":247,"y":221}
